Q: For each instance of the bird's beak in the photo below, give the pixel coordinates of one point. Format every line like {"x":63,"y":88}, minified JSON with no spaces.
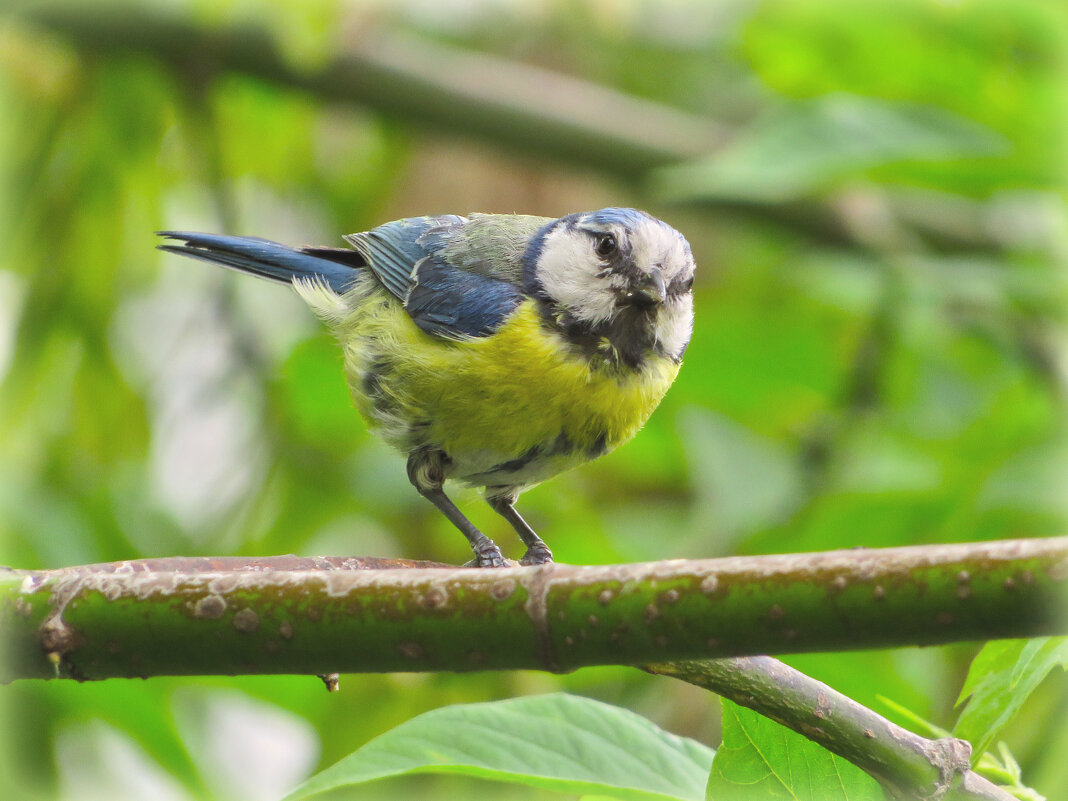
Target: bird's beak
{"x":649,"y":290}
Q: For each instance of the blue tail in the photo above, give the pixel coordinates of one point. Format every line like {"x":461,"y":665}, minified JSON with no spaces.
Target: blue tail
{"x":337,"y":268}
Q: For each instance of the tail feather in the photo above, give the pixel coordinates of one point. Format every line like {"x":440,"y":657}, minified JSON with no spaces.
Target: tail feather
{"x":267,"y":259}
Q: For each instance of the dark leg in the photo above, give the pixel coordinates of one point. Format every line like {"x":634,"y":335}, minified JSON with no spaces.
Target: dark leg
{"x":427,"y":476}
{"x":502,"y":500}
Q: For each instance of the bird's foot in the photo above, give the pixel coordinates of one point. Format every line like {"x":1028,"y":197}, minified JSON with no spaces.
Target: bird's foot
{"x":537,"y":554}
{"x":487,"y":554}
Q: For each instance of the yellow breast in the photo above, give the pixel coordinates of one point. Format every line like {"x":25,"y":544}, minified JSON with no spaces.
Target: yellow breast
{"x":520,"y":393}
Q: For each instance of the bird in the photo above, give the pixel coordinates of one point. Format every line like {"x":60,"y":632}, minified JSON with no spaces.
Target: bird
{"x":496,"y":350}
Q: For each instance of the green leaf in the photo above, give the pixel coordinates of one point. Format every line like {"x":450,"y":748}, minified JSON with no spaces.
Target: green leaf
{"x":557,"y":742}
{"x":1002,"y":676}
{"x":805,"y":147}
{"x":760,"y":759}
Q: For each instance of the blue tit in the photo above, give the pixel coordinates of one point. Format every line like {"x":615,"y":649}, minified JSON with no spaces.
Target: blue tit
{"x":494,"y":349}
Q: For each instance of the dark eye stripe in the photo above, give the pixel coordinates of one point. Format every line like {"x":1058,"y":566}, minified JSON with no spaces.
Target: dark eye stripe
{"x":680,"y":286}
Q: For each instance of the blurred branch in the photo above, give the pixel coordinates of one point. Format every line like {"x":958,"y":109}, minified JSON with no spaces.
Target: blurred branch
{"x":512,"y":106}
{"x":423,"y":83}
{"x":289,"y":615}
{"x":862,"y":388}
{"x":907,"y":765}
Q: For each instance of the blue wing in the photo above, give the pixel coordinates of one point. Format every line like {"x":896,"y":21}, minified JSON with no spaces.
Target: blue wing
{"x":444,"y":294}
{"x":443,"y":299}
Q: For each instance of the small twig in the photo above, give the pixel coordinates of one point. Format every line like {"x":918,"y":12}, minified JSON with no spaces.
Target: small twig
{"x":907,"y":765}
{"x":332,"y":681}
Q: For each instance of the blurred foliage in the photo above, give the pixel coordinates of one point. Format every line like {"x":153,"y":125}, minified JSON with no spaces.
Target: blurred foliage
{"x":888,"y":392}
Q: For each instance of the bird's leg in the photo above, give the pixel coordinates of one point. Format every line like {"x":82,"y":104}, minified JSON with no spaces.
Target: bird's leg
{"x":426,"y":473}
{"x":503,"y":503}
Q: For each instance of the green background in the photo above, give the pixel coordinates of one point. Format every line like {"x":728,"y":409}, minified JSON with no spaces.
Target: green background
{"x":895,"y":378}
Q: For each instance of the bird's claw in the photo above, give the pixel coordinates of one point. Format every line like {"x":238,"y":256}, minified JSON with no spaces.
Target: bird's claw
{"x":537,"y":554}
{"x":487,"y":554}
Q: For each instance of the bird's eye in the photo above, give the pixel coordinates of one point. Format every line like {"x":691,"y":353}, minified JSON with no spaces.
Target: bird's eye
{"x":606,"y":246}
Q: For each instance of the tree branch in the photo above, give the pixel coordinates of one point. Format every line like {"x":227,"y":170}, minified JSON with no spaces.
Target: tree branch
{"x":291,"y":615}
{"x":323,"y":614}
{"x":510,"y":105}
{"x":425,"y":84}
{"x":907,"y":765}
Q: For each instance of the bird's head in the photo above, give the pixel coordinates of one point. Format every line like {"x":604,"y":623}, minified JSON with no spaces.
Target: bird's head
{"x":616,"y":275}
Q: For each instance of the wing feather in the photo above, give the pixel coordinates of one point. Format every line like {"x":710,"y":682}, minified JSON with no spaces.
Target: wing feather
{"x":420,"y":261}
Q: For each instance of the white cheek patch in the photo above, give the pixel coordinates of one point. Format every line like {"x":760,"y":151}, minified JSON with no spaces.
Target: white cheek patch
{"x":568,"y":268}
{"x":674,"y":324}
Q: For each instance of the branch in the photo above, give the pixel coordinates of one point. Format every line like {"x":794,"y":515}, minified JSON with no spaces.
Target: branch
{"x":290,"y":615}
{"x":507,"y":104}
{"x":906,"y":764}
{"x":325,"y":614}
{"x":425,"y":84}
